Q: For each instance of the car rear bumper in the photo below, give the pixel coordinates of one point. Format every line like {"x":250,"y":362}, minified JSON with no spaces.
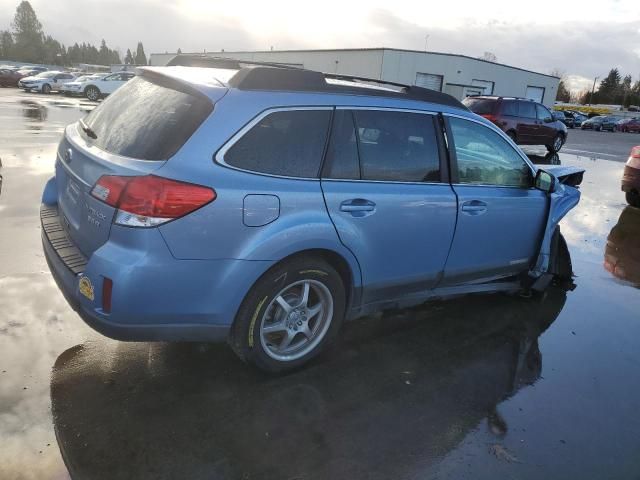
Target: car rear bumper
{"x":155,"y":296}
{"x":630,"y":179}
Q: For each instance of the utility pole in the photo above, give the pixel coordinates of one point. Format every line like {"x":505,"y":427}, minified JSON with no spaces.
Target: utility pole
{"x":593,"y":90}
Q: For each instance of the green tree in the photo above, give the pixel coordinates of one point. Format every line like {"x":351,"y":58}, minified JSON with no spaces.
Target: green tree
{"x":27,"y":33}
{"x":128,"y":58}
{"x":141,"y":58}
{"x":179,"y":51}
{"x":104,"y":54}
{"x":6,"y":45}
{"x":563,"y":95}
{"x":609,"y":87}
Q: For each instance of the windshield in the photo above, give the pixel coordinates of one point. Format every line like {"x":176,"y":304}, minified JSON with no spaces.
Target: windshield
{"x":146,"y":121}
{"x":47,"y":74}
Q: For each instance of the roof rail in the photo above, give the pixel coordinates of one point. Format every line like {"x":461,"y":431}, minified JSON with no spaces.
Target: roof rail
{"x":273,"y":76}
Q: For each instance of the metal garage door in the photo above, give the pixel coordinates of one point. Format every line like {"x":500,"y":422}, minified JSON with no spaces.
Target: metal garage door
{"x":486,"y":84}
{"x":428,"y":80}
{"x":535,"y":93}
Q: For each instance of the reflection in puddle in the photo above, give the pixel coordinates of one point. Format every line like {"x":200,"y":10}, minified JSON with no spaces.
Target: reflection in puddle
{"x":550,"y":158}
{"x":395,"y":395}
{"x":34,"y":111}
{"x":622,"y":253}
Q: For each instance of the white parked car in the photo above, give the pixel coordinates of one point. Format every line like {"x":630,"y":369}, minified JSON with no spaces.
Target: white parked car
{"x":77,"y":86}
{"x":94,"y":89}
{"x":45,"y":82}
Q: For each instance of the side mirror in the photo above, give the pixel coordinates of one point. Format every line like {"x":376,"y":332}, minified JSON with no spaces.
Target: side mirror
{"x":548,"y":120}
{"x":545,"y":181}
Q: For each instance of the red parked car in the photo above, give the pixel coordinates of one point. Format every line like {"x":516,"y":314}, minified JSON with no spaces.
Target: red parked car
{"x":632,"y":125}
{"x":9,"y":78}
{"x":631,"y":178}
{"x":525,"y":121}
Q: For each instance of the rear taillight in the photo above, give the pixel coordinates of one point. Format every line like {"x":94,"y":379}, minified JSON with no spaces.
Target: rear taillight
{"x":149,"y":201}
{"x":489,"y":116}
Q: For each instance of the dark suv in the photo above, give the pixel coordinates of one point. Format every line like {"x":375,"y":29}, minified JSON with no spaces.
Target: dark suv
{"x":525,"y":121}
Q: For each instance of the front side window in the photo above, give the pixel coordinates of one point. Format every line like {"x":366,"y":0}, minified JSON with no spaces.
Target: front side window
{"x":397,"y":146}
{"x":485,"y":158}
{"x":287,"y":143}
{"x":543,"y":113}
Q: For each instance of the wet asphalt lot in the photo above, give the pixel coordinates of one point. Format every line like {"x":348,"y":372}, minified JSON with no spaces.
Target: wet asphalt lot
{"x":480,"y":387}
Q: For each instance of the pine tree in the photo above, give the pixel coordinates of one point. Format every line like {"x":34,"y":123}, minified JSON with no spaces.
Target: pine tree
{"x":104,"y":53}
{"x":141,"y":58}
{"x":6,"y":45}
{"x":27,"y":32}
{"x":128,"y":58}
{"x":563,"y":94}
{"x":609,"y":87}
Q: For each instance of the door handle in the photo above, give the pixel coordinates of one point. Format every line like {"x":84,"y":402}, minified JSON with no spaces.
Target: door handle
{"x":474,"y":207}
{"x":358,"y":207}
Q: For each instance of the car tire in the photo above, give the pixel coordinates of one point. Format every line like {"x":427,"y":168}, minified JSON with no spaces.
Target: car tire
{"x":597,"y":129}
{"x":92,"y":93}
{"x":46,"y":88}
{"x":560,"y":259}
{"x":555,"y":147}
{"x":275,"y":329}
{"x":633,"y":198}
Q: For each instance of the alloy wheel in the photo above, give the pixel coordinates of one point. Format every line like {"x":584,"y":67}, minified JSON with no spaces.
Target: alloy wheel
{"x":557,"y":143}
{"x":296,"y":320}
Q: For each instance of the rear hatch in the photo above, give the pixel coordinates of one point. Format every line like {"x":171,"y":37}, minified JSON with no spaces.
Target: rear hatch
{"x":132,"y":133}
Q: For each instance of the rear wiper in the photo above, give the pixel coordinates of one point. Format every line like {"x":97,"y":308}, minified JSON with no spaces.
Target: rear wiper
{"x":87,"y":129}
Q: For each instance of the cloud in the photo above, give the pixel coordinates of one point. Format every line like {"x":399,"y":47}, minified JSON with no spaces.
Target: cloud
{"x":582,"y":51}
{"x":586,"y":46}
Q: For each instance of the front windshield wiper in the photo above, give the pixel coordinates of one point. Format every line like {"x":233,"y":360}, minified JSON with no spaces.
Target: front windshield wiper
{"x":87,"y":129}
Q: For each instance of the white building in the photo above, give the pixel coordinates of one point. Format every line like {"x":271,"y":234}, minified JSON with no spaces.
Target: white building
{"x":457,"y":75}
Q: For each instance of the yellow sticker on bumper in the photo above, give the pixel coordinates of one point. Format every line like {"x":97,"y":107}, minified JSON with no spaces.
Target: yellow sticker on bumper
{"x":86,"y":288}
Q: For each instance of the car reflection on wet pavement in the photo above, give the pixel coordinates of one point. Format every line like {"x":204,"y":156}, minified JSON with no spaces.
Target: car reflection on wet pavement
{"x":479,"y":387}
{"x":622,"y":255}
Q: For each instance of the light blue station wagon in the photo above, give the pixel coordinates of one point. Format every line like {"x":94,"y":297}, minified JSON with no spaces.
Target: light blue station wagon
{"x":262,"y":204}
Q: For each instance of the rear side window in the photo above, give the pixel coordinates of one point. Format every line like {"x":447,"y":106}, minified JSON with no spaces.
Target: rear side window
{"x":397,"y":146}
{"x":510,"y":108}
{"x":527,"y":109}
{"x":383,"y":146}
{"x":481,"y":106}
{"x":146,"y":121}
{"x":288,"y":143}
{"x":342,"y":153}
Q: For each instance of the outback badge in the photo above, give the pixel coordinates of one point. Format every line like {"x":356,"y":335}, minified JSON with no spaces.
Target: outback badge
{"x":86,"y":288}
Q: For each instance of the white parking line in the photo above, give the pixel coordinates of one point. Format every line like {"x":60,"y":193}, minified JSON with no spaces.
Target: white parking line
{"x":595,"y":154}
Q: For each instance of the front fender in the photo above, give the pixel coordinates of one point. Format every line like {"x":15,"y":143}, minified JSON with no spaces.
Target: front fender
{"x":560,"y":203}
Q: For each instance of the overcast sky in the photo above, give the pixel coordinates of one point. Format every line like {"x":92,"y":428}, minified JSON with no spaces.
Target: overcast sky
{"x":581,"y":39}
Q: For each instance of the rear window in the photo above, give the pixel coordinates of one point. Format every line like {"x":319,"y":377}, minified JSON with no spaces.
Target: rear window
{"x":287,"y":143}
{"x":481,"y":106}
{"x":147,"y":121}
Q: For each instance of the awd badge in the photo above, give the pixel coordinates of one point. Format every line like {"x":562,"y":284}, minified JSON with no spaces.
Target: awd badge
{"x":86,"y":288}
